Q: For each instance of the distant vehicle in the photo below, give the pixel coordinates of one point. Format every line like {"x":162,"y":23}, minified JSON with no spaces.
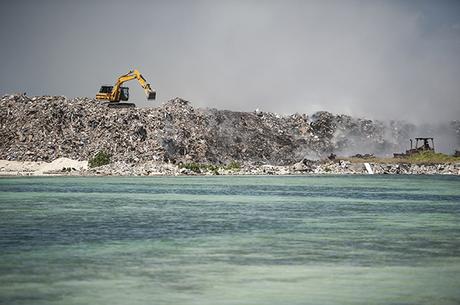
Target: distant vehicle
{"x":116,"y":93}
{"x":423,"y":146}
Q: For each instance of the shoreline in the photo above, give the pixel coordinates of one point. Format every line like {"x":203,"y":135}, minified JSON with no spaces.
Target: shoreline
{"x":69,"y":167}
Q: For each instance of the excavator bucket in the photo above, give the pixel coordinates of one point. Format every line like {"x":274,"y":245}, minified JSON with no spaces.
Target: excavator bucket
{"x":151,"y":95}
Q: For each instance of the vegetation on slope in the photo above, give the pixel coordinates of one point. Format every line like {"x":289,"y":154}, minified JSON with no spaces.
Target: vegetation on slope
{"x":101,"y":158}
{"x":425,"y":157}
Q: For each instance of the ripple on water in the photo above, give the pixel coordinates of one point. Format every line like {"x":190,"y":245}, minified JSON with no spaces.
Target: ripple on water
{"x":230,"y":240}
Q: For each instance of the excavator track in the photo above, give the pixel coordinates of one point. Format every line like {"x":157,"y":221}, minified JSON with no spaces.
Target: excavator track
{"x":120,"y":105}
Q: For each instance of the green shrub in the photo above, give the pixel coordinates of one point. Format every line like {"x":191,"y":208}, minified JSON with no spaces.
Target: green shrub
{"x":213,"y":168}
{"x":423,"y":157}
{"x":101,"y":158}
{"x":194,"y":167}
{"x":233,"y":166}
{"x":431,"y":157}
{"x":198,"y":167}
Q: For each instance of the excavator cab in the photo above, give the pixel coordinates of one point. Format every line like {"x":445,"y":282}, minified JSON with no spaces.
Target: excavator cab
{"x":106,"y":89}
{"x":124,"y":92}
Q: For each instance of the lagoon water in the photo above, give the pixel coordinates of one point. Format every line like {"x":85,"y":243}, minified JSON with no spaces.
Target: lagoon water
{"x":230,"y":240}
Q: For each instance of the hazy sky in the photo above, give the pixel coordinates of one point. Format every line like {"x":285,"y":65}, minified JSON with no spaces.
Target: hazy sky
{"x":383,"y":59}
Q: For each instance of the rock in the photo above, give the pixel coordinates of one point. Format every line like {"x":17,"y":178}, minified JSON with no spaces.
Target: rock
{"x":299,"y":167}
{"x":344,"y":164}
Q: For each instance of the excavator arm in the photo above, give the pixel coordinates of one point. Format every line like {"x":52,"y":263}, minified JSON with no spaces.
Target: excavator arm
{"x":135,"y":74}
{"x":115,"y":93}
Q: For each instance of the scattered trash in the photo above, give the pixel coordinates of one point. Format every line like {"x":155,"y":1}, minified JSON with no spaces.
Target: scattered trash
{"x":363,"y":156}
{"x":368,"y":168}
{"x":45,"y":128}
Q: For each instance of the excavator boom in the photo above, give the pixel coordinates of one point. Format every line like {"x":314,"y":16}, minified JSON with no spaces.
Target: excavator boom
{"x":116,"y":93}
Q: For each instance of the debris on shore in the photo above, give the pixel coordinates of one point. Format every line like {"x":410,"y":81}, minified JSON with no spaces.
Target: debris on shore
{"x":67,"y":167}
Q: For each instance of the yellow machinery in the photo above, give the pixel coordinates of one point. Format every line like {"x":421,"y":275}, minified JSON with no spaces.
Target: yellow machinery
{"x":115,"y":94}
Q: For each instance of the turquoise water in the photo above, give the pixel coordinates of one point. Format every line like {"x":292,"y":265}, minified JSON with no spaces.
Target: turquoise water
{"x":230,"y":240}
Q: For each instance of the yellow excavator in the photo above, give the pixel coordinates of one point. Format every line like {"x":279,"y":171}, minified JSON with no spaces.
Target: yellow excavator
{"x":114,"y":94}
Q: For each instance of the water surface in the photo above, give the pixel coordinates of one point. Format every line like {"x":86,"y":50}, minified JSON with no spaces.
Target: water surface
{"x":230,"y":240}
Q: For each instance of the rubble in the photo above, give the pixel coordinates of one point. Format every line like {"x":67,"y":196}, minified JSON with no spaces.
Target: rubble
{"x":309,"y":167}
{"x":67,"y":167}
{"x":45,"y":128}
{"x":365,"y":156}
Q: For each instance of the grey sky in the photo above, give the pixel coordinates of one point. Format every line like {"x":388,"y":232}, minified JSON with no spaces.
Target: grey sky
{"x":383,"y":59}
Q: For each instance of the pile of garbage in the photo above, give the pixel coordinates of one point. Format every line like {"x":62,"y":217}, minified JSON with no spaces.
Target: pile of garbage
{"x":45,"y":128}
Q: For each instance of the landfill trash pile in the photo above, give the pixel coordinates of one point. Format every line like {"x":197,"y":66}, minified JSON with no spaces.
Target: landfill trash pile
{"x":45,"y":128}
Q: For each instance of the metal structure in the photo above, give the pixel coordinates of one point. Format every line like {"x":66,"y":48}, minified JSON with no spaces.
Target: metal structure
{"x":116,"y":93}
{"x":424,"y":145}
{"x":421,"y":145}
